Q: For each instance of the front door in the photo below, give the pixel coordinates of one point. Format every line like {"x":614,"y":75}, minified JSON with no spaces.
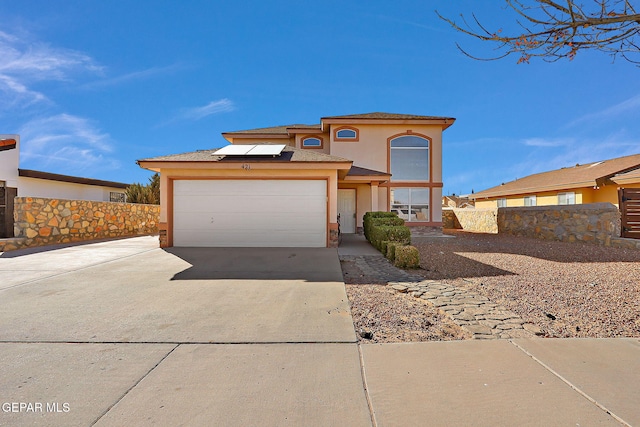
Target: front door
{"x":347,"y":210}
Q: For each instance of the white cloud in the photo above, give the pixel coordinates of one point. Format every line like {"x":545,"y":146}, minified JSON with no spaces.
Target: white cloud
{"x":65,"y":143}
{"x":133,"y":76}
{"x":548,"y":142}
{"x":25,"y":62}
{"x":214,"y":107}
{"x":625,"y":106}
{"x":223,"y":105}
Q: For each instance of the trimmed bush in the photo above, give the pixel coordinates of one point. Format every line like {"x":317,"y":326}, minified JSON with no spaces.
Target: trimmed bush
{"x":392,"y":233}
{"x":383,"y":246}
{"x":406,"y":257}
{"x":370,"y":216}
{"x":391,"y":250}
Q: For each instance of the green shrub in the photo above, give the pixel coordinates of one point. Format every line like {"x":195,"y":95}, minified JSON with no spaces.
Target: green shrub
{"x":391,"y":250}
{"x":370,"y":216}
{"x":406,"y":257}
{"x":383,"y":246}
{"x":392,"y":233}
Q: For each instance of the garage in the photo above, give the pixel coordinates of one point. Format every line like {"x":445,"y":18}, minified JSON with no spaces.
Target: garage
{"x":250,"y":213}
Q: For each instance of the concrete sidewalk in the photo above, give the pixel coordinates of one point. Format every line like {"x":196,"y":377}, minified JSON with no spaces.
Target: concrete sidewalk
{"x":124,"y":333}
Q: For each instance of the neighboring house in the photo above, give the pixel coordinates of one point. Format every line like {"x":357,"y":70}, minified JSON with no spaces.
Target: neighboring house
{"x":590,"y":183}
{"x":290,"y":185}
{"x":15,"y":181}
{"x":454,"y":201}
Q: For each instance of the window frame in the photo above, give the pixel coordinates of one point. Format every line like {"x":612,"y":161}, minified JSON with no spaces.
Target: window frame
{"x":533,"y":200}
{"x":502,"y":201}
{"x":355,"y":138}
{"x":117,"y":197}
{"x":427,"y":148}
{"x":308,"y":137}
{"x":409,"y":205}
{"x":565,"y":194}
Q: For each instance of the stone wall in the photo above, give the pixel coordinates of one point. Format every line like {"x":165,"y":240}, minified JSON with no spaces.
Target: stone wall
{"x":475,"y":220}
{"x":39,"y":221}
{"x":597,"y":223}
{"x":594,"y":222}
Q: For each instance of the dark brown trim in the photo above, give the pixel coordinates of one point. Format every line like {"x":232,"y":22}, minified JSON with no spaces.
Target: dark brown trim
{"x":27,"y":173}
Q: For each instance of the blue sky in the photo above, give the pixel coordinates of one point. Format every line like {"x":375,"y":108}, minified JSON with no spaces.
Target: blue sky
{"x":93,"y":86}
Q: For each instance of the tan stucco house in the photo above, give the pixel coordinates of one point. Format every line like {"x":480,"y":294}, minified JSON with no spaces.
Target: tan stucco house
{"x":292,"y":185}
{"x":583,"y":183}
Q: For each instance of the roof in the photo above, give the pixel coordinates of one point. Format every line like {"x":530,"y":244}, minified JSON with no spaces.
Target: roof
{"x":359,"y":171}
{"x":27,"y":173}
{"x":632,"y":177}
{"x":588,"y":175}
{"x":285,"y":129}
{"x":289,"y":154}
{"x":273,"y":130}
{"x":388,"y":116}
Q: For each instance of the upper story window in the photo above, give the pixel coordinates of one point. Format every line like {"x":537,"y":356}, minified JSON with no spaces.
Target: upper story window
{"x":312,"y":142}
{"x":409,"y":158}
{"x":346,"y":134}
{"x":567,"y":198}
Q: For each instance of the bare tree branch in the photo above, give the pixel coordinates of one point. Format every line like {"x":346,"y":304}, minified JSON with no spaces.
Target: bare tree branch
{"x":552,"y":30}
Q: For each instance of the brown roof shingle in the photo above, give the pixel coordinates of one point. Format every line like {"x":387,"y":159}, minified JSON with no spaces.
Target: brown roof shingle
{"x":587,"y":175}
{"x":388,"y":116}
{"x":289,"y":154}
{"x":272,"y":130}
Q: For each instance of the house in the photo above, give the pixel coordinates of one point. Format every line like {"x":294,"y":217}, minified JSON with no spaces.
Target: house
{"x":454,"y":201}
{"x":295,"y":185}
{"x":15,"y":181}
{"x":588,"y":183}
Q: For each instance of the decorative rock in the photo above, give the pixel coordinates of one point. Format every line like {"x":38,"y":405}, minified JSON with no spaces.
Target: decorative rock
{"x":400,"y":288}
{"x":478,"y":329}
{"x":534,"y":329}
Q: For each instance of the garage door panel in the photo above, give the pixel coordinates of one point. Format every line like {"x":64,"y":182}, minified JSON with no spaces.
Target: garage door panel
{"x":265,"y":213}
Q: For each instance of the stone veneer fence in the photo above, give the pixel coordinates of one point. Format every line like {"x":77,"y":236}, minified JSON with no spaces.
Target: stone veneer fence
{"x":39,"y":221}
{"x":594,"y":223}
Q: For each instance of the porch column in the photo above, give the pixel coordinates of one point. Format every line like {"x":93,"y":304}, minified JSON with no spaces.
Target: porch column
{"x":374,"y":197}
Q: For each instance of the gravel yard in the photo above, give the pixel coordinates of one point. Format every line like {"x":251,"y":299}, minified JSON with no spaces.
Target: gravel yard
{"x":567,"y":289}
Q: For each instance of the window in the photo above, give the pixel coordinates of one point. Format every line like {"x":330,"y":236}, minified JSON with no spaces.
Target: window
{"x":116,"y":197}
{"x":567,"y":198}
{"x":502,"y":203}
{"x":411,"y":204}
{"x":409,"y":158}
{"x":530,"y":200}
{"x":312,"y":142}
{"x":346,"y":134}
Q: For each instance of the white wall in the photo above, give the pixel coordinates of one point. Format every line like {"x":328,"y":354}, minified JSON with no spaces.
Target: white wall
{"x":35,"y":187}
{"x":9,"y":161}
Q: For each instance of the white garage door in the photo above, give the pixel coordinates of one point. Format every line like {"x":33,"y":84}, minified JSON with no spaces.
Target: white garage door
{"x":250,"y":213}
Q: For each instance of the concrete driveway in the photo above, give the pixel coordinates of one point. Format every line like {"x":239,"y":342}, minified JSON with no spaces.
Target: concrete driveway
{"x":124,"y":333}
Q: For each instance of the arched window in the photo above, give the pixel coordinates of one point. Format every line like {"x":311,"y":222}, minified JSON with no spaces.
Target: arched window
{"x":409,"y":158}
{"x":346,"y":134}
{"x":312,"y":142}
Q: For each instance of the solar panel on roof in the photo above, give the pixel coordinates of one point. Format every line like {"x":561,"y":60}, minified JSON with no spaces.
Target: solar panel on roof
{"x":233,"y":150}
{"x":250,"y":150}
{"x":267,"y":150}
